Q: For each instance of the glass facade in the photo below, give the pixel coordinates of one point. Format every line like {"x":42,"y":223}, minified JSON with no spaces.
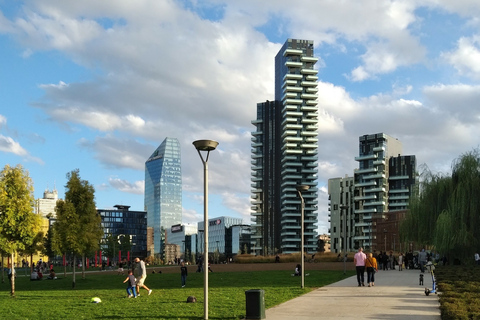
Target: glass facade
{"x":163,"y":190}
{"x":123,"y":222}
{"x":218,"y":235}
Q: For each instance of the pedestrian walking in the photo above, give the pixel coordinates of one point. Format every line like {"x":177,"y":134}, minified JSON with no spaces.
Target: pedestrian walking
{"x":359,"y":260}
{"x":371,"y":265}
{"x":183,"y":273}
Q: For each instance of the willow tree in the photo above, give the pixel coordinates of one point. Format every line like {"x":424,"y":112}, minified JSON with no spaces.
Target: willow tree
{"x":18,"y":223}
{"x":446,"y":212}
{"x":77,"y":229}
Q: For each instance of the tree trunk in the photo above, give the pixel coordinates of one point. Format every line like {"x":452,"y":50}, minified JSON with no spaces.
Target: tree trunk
{"x":31,"y":263}
{"x":64,"y":266}
{"x":73,"y":274}
{"x":12,"y":278}
{"x":83,"y":265}
{"x":3,"y":271}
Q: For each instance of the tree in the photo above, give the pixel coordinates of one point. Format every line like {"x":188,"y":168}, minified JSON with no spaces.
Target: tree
{"x":78,"y":227}
{"x":37,"y":245}
{"x":18,"y":223}
{"x":445,"y":213}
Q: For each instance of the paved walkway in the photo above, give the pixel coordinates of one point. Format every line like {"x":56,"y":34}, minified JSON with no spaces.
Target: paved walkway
{"x":396,"y":295}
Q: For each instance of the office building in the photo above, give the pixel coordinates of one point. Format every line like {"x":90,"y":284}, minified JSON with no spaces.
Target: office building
{"x":221,"y":239}
{"x":284,"y":155}
{"x":163,"y":190}
{"x":177,"y":234}
{"x":128,"y":229}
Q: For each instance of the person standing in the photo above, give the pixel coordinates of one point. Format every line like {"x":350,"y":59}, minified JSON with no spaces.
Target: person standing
{"x":141,"y":276}
{"x":477,"y":259}
{"x":183,"y":273}
{"x":422,"y":260}
{"x":400,"y":262}
{"x":371,"y":265}
{"x":359,"y":260}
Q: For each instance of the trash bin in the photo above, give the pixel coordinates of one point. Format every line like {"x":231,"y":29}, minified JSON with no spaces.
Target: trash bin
{"x":255,"y":304}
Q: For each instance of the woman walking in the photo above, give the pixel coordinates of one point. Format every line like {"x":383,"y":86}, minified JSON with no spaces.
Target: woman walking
{"x":371,"y":265}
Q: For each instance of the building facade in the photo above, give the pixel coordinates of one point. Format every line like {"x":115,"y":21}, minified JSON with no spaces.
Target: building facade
{"x":46,"y":206}
{"x":284,"y":155}
{"x":163,"y":190}
{"x":220,"y":239}
{"x":125,"y":226}
{"x":341,"y":208}
{"x":402,"y":181}
{"x":384,"y":182}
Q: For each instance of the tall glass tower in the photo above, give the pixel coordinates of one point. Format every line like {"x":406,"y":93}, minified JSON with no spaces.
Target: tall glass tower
{"x":163,"y":190}
{"x":285,"y":154}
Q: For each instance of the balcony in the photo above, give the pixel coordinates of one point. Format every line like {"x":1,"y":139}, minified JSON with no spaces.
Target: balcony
{"x":292,"y":76}
{"x":308,"y":84}
{"x":293,"y":101}
{"x":309,"y":96}
{"x":309,"y":71}
{"x":398,"y":178}
{"x":293,"y":64}
{"x":289,"y":83}
{"x":366,"y":157}
{"x":292,"y":52}
{"x":309,"y":59}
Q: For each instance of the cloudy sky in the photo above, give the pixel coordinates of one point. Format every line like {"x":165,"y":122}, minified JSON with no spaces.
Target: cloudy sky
{"x":98,"y":85}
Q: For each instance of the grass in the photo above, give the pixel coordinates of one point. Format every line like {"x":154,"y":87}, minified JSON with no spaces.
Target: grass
{"x":55,"y":299}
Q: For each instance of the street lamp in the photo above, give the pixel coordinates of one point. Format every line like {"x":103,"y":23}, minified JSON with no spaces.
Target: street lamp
{"x":301,"y":188}
{"x":344,"y":237}
{"x":205,"y":145}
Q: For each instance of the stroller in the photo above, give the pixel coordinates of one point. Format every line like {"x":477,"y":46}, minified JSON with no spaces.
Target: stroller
{"x":431,"y":268}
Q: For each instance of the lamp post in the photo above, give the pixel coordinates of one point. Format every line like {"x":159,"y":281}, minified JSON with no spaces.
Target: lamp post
{"x":207,"y":146}
{"x":344,"y":247}
{"x":301,"y":188}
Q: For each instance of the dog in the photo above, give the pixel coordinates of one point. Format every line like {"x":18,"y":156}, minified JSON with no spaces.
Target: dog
{"x":421,"y":280}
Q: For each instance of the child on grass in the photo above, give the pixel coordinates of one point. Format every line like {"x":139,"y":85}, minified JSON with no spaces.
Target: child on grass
{"x":131,"y":287}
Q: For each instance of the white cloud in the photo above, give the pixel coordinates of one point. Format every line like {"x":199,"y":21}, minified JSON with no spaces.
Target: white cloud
{"x":7,"y":144}
{"x":466,"y":57}
{"x":138,"y":187}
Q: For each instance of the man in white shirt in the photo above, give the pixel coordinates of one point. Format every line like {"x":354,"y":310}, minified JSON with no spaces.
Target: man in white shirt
{"x":141,"y":272}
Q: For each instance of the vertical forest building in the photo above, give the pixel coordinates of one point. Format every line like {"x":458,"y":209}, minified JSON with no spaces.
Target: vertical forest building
{"x":284,"y":155}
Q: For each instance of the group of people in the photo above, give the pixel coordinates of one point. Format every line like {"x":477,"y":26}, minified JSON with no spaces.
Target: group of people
{"x":362,"y":262}
{"x":134,"y":284}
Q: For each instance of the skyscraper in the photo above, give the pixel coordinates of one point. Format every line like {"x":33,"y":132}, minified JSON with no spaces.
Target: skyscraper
{"x":284,"y":155}
{"x":163,"y":190}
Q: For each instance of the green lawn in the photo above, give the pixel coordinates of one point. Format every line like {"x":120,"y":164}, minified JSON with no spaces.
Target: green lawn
{"x":54,"y":299}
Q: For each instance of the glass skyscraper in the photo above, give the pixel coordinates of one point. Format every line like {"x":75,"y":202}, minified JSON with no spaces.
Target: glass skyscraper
{"x":285,"y":154}
{"x":163,"y":190}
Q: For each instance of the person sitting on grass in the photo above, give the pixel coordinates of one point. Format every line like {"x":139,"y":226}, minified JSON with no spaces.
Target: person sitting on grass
{"x":52,"y":275}
{"x":34,"y":275}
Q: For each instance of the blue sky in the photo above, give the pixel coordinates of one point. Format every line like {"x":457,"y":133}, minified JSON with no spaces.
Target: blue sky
{"x":98,"y":85}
